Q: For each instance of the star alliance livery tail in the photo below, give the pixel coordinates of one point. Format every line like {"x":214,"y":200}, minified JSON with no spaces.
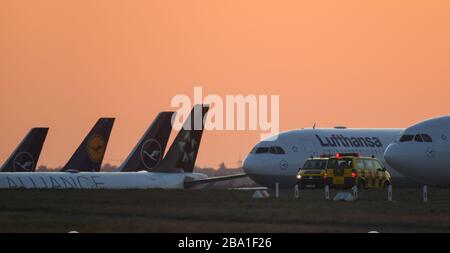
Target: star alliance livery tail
{"x":149,"y":151}
{"x":26,"y":155}
{"x":89,"y":155}
{"x":184,"y":149}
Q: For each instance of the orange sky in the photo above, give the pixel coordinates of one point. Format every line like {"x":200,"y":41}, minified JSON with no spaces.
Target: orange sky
{"x":63,"y":64}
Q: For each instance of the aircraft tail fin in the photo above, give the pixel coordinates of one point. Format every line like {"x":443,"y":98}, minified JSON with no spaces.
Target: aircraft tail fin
{"x":26,"y":155}
{"x":149,"y":151}
{"x":89,"y":155}
{"x":183,"y":151}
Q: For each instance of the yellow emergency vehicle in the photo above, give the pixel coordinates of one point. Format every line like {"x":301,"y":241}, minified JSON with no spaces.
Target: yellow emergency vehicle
{"x":311,"y":174}
{"x":348,"y":170}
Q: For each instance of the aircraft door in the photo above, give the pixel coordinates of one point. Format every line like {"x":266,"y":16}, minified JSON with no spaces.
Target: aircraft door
{"x":310,"y":149}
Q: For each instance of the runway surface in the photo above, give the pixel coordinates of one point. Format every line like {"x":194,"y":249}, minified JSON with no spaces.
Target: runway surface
{"x":220,"y":211}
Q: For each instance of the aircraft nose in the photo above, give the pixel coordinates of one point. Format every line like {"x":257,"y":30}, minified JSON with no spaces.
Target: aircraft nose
{"x":392,"y":154}
{"x":398,"y":157}
{"x":249,"y":165}
{"x":410,"y":161}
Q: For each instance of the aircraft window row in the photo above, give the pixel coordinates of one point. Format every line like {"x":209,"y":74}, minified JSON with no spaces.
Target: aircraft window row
{"x":364,"y":152}
{"x":417,"y":138}
{"x":272,"y":150}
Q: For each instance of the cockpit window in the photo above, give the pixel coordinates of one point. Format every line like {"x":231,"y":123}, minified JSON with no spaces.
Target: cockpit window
{"x":262,"y":150}
{"x":427,"y":138}
{"x":418,"y":138}
{"x":276,"y":150}
{"x":280,"y":150}
{"x":272,"y":150}
{"x":406,"y":137}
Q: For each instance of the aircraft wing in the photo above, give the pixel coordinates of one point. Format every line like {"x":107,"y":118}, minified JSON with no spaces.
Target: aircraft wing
{"x":191,"y":183}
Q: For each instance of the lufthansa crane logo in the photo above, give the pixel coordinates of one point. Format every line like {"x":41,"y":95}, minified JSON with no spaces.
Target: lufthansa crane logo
{"x":96,"y":148}
{"x":151,"y":153}
{"x":430,"y":152}
{"x":23,"y":162}
{"x":284,"y":164}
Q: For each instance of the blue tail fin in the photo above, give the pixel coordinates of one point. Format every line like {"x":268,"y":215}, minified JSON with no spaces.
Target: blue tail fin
{"x":89,"y":155}
{"x":26,"y":155}
{"x":150,"y":149}
{"x":183,"y":151}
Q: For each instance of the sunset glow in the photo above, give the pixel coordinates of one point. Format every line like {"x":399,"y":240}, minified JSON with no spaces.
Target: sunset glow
{"x":64,"y":64}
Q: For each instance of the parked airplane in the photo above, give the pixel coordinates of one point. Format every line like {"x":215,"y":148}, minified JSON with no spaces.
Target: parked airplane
{"x":89,"y":155}
{"x":26,"y":155}
{"x":278,"y":158}
{"x":149,"y":151}
{"x":423,"y":152}
{"x":175,"y":171}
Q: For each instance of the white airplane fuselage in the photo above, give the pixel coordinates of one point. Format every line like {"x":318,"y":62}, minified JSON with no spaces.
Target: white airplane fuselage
{"x":298,"y":145}
{"x":425,"y":160}
{"x":96,"y":180}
